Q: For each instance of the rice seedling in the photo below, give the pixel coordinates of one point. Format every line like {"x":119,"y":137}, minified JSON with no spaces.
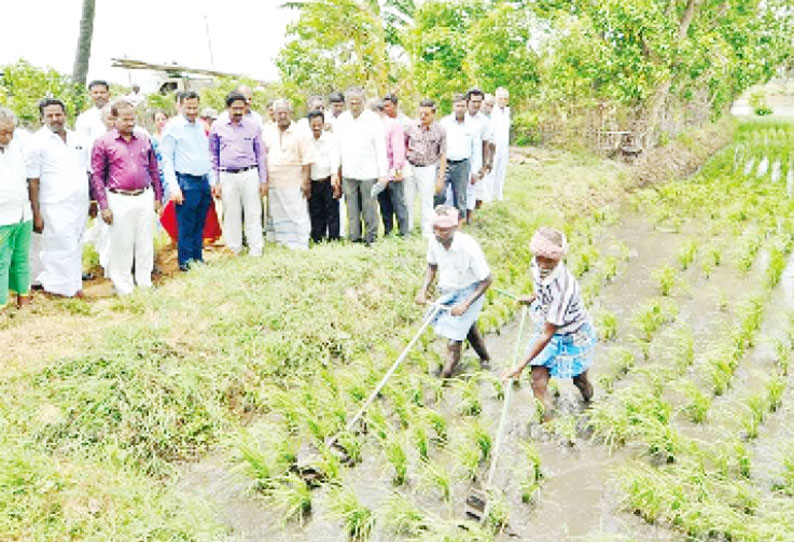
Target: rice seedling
{"x":777,"y":264}
{"x":686,"y":254}
{"x":667,"y":277}
{"x":624,"y":361}
{"x":468,"y":456}
{"x":291,"y":496}
{"x":394,"y":450}
{"x":498,"y":512}
{"x":433,"y":476}
{"x":470,"y":404}
{"x":607,"y":326}
{"x":653,"y":316}
{"x":720,"y":374}
{"x":698,"y":403}
{"x":403,"y":517}
{"x":258,"y":464}
{"x":782,"y":356}
{"x":584,"y":260}
{"x":715,"y":256}
{"x":785,"y":484}
{"x":351,"y":444}
{"x":753,"y":415}
{"x":420,"y":439}
{"x":775,"y":387}
{"x":482,"y":439}
{"x":439,"y":424}
{"x":359,"y":521}
{"x":609,"y":268}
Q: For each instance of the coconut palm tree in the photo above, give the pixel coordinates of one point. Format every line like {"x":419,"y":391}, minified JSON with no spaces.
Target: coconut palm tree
{"x":83,"y":53}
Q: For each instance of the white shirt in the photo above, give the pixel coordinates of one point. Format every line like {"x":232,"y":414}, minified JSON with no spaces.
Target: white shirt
{"x":460,"y":137}
{"x":60,"y":167}
{"x":362,"y":146}
{"x":559,"y":300}
{"x":253,"y":116}
{"x":327,"y":156}
{"x":89,"y":126}
{"x":482,"y":133}
{"x":14,"y":200}
{"x":460,"y":266}
{"x":500,"y":125}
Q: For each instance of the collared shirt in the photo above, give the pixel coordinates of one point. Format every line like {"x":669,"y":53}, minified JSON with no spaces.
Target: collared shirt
{"x":500,"y":125}
{"x":395,"y":144}
{"x":559,"y":298}
{"x":287,"y":151}
{"x":481,"y":133}
{"x":251,"y":116}
{"x":123,"y":165}
{"x":236,"y":146}
{"x":460,"y":138}
{"x":362,"y":146}
{"x":461,"y":266}
{"x":185,"y":149}
{"x":89,"y":126}
{"x":326,"y":152}
{"x":424,"y":146}
{"x":61,"y":167}
{"x":14,"y":199}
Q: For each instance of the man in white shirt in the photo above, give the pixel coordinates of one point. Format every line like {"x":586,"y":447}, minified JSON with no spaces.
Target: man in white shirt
{"x":57,"y":162}
{"x":481,"y":159}
{"x":362,"y":151}
{"x":461,"y":133}
{"x":314,"y":103}
{"x":89,"y":125}
{"x":15,"y":215}
{"x":326,"y":188}
{"x":500,"y":118}
{"x":463,"y":277}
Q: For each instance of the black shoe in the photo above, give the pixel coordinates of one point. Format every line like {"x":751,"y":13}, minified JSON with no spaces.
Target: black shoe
{"x":184,"y":268}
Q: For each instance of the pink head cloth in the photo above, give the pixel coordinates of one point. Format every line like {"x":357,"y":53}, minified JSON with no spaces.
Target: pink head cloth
{"x":447,"y":219}
{"x":541,"y":245}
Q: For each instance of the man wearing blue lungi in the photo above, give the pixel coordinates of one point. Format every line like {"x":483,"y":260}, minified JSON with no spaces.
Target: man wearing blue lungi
{"x":463,"y":277}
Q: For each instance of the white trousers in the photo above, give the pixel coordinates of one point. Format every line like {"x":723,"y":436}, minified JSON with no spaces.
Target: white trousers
{"x":59,"y":249}
{"x":242,"y":201}
{"x":499,"y":172}
{"x":131,"y":238}
{"x":422,"y":182}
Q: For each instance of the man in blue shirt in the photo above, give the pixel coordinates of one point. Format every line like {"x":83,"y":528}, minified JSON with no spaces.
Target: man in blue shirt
{"x":186,"y":167}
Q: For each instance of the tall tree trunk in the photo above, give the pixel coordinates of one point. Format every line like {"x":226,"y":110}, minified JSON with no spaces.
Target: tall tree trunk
{"x":83,"y":53}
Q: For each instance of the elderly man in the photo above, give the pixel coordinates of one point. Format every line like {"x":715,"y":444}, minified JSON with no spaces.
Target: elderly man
{"x":426,"y":147}
{"x":336,"y":106}
{"x":500,"y":117}
{"x":461,"y":134}
{"x":362,"y":149}
{"x":481,"y":158}
{"x":16,"y":218}
{"x":463,"y":277}
{"x":326,"y":187}
{"x":392,"y":198}
{"x":313,"y":104}
{"x":56,"y":163}
{"x":290,"y":155}
{"x":126,"y":183}
{"x":239,"y":175}
{"x":186,"y":168}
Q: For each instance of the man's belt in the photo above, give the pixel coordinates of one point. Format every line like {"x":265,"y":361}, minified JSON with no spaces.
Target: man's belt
{"x":122,"y":192}
{"x":236,"y":169}
{"x":456,"y":161}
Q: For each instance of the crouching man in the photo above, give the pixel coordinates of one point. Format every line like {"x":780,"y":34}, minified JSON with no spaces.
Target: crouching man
{"x":463,"y":277}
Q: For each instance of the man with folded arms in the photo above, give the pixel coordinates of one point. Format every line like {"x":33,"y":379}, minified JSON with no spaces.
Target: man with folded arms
{"x":239,"y":175}
{"x":127,"y":186}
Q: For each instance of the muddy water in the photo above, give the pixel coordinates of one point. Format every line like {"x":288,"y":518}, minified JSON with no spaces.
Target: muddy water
{"x":579,"y":498}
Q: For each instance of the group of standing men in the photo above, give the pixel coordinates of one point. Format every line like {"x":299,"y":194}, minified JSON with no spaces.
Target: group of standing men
{"x":360,"y":154}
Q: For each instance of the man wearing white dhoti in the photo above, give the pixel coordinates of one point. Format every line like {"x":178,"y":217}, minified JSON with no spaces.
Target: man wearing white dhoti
{"x":290,"y":153}
{"x":500,"y":126}
{"x":56,"y":163}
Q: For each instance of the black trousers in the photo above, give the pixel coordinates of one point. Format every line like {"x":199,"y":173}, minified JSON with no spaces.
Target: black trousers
{"x":392,"y":203}
{"x":324,"y":211}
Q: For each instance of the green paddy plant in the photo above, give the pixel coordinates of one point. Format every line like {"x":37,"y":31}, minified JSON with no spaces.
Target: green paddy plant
{"x":777,"y":264}
{"x":686,"y":254}
{"x":698,"y":403}
{"x":470,"y":404}
{"x":720,"y":373}
{"x":359,"y":521}
{"x":775,"y":387}
{"x":607,"y":326}
{"x":291,"y":496}
{"x":783,"y":356}
{"x":498,"y":512}
{"x":753,"y":415}
{"x":530,"y":481}
{"x":469,"y":457}
{"x":257,"y":463}
{"x":433,"y":476}
{"x":785,"y":484}
{"x":667,"y":277}
{"x":395,"y":454}
{"x":715,"y":256}
{"x":440,"y":426}
{"x":420,"y":439}
{"x":482,"y":438}
{"x":624,"y":361}
{"x":403,"y":517}
{"x":653,"y":316}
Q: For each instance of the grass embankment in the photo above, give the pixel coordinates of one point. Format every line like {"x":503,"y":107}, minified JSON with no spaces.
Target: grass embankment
{"x":89,"y":438}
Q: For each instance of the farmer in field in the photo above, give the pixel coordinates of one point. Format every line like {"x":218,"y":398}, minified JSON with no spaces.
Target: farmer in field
{"x":16,"y":217}
{"x":463,"y":277}
{"x":565,"y":342}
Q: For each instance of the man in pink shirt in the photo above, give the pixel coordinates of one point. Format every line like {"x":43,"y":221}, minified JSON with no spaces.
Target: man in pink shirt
{"x":392,"y":198}
{"x":127,"y":187}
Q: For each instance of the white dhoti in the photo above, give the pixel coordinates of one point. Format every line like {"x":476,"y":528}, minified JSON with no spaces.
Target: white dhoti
{"x":61,"y":247}
{"x":422,"y":182}
{"x":131,"y":238}
{"x":242,"y":202}
{"x":97,"y":234}
{"x":483,"y":190}
{"x":499,"y":172}
{"x":471,"y":195}
{"x":288,"y":218}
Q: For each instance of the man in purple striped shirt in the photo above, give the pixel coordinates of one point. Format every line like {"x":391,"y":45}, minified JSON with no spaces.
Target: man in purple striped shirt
{"x":127,"y":187}
{"x":239,"y":175}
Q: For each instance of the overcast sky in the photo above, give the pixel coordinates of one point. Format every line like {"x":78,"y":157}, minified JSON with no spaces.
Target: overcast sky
{"x":246,"y":35}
